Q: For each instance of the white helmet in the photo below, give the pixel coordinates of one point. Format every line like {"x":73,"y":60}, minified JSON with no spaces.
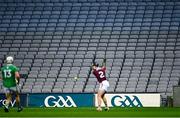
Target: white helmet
{"x":9,"y":59}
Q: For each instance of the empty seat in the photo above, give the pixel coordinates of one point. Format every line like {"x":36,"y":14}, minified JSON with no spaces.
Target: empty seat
{"x":141,"y":44}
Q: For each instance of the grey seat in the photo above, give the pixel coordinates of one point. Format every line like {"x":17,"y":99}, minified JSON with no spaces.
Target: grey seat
{"x":141,"y":44}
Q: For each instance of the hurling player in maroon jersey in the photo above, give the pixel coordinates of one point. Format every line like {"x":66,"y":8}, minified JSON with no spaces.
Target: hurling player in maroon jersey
{"x":100,"y":74}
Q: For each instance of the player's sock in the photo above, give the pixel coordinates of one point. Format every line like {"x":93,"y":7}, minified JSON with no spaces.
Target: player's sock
{"x":6,"y":108}
{"x":99,"y":109}
{"x":20,"y":109}
{"x":105,"y":104}
{"x":106,"y":108}
{"x":19,"y":106}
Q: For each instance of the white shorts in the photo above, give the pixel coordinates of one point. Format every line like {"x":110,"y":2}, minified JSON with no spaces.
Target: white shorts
{"x":11,"y":89}
{"x":104,"y":85}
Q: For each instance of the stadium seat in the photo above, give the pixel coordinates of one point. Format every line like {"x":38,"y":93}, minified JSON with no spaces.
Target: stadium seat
{"x":139,"y":39}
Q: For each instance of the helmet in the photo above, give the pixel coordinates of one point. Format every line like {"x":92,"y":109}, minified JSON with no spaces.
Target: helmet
{"x":9,"y":59}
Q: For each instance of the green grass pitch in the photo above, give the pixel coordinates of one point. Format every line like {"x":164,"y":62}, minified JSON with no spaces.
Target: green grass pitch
{"x":91,"y":112}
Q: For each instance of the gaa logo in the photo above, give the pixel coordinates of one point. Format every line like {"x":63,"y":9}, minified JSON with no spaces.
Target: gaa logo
{"x":59,"y":101}
{"x":126,"y":101}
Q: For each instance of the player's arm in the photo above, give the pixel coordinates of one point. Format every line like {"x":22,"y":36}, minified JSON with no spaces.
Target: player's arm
{"x":17,"y":75}
{"x":104,"y":63}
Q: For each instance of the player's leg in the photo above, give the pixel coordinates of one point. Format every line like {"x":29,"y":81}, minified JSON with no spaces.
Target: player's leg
{"x":18,"y":103}
{"x":99,"y":98}
{"x":8,"y":99}
{"x":105,"y":88}
{"x":104,"y":99}
{"x":105,"y":102}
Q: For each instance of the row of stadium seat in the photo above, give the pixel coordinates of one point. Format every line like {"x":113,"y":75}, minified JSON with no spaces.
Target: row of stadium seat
{"x":54,"y":41}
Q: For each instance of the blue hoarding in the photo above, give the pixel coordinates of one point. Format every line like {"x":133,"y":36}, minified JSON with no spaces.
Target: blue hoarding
{"x":23,"y":98}
{"x":61,"y":100}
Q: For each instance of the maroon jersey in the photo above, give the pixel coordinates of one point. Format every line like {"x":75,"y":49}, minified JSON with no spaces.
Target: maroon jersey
{"x":100,"y":74}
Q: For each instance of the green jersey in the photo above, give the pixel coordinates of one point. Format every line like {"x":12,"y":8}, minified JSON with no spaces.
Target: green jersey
{"x":8,"y":75}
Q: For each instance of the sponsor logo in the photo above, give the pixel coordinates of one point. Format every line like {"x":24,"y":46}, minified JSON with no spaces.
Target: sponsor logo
{"x":59,"y":101}
{"x":126,"y":101}
{"x":3,"y":102}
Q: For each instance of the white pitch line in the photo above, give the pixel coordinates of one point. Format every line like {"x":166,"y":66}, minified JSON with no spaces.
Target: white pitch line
{"x":90,"y":117}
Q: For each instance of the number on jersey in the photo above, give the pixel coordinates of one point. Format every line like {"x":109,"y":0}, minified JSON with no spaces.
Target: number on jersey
{"x":101,"y":74}
{"x":7,"y":73}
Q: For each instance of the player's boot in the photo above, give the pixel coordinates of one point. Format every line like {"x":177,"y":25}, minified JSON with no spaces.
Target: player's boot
{"x":99,"y":109}
{"x":6,"y":109}
{"x":19,"y":109}
{"x":106,"y":108}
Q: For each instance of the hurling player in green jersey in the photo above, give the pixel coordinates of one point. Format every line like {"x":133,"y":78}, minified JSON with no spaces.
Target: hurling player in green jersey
{"x":10,"y":76}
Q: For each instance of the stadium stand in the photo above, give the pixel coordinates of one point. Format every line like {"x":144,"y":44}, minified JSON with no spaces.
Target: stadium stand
{"x":54,"y":41}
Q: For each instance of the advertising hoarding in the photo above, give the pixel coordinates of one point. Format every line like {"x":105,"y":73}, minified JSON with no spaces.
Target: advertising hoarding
{"x":23,"y":98}
{"x":132,"y":100}
{"x":61,"y":100}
